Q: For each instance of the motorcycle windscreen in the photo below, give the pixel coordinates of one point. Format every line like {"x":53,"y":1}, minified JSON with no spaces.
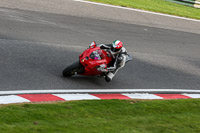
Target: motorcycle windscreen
{"x":97,"y":55}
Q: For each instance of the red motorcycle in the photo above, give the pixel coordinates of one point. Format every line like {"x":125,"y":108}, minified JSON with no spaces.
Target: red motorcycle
{"x":90,"y":61}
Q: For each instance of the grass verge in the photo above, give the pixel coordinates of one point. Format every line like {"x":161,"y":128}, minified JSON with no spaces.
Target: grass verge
{"x":103,"y":116}
{"x":161,"y":6}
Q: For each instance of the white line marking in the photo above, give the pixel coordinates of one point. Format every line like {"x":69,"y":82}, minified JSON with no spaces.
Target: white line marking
{"x":192,"y":95}
{"x":12,"y":99}
{"x":97,"y":91}
{"x":142,"y":96}
{"x":76,"y":96}
{"x":138,"y":10}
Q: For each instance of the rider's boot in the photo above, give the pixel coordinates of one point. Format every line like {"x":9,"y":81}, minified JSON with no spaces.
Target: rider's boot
{"x":109,"y":77}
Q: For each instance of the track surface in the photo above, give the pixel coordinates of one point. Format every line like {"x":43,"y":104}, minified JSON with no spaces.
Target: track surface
{"x":35,"y":47}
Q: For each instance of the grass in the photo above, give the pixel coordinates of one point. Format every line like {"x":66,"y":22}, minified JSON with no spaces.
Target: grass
{"x":161,"y":6}
{"x":103,"y":116}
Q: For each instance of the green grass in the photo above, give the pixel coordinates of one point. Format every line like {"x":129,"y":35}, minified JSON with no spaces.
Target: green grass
{"x":161,"y":6}
{"x":103,"y":116}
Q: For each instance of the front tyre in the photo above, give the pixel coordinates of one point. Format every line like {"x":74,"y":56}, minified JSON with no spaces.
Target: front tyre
{"x":71,"y":70}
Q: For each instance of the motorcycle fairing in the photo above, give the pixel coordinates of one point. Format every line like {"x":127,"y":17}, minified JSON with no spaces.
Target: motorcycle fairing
{"x":91,"y":58}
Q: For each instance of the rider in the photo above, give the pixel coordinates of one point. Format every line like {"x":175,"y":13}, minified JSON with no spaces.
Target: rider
{"x":119,"y":55}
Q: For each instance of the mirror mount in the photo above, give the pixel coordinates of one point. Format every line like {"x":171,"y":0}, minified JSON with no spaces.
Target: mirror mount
{"x":93,"y":44}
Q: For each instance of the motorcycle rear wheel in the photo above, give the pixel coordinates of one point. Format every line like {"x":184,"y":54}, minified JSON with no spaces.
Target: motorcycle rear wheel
{"x":72,"y":69}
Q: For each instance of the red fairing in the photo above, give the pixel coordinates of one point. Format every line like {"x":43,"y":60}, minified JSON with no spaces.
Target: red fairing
{"x":91,"y":58}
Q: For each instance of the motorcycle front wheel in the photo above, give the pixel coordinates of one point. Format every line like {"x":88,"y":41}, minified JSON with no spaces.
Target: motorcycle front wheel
{"x":72,"y":69}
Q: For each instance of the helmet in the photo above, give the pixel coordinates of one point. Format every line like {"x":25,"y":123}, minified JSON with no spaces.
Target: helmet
{"x":116,"y":47}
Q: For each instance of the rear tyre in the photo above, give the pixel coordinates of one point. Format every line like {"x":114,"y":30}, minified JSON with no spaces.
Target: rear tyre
{"x":72,"y":69}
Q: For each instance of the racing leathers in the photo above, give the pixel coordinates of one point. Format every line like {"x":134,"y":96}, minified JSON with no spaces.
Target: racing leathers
{"x":118,"y":62}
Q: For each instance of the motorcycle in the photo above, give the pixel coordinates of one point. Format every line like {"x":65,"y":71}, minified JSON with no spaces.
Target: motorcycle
{"x":92,"y":62}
